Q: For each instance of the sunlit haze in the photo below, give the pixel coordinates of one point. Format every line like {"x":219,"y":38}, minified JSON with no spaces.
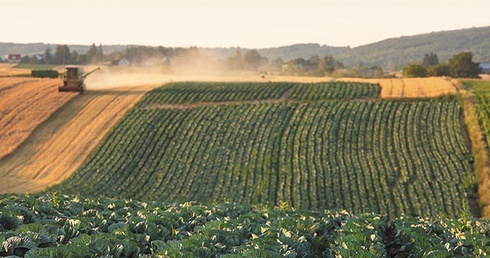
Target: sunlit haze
{"x":231,"y":23}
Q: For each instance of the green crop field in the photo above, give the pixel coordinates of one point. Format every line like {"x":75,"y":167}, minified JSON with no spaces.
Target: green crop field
{"x":264,"y":170}
{"x":196,"y":92}
{"x":54,"y":225}
{"x":477,"y":117}
{"x":309,"y":146}
{"x":481,"y":89}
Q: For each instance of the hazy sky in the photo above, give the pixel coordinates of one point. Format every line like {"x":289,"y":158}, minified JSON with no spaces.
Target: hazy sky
{"x":227,"y":23}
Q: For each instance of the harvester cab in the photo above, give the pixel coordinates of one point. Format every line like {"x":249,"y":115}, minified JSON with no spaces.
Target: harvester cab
{"x":74,"y":79}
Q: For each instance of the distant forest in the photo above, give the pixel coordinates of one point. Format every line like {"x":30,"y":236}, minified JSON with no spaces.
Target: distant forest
{"x":394,"y":53}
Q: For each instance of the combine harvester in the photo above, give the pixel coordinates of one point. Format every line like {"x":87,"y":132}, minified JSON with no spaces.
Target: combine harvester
{"x":74,"y":79}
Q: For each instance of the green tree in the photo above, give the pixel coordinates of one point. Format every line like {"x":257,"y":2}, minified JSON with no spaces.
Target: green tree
{"x":252,"y":59}
{"x":314,"y":61}
{"x":299,"y":61}
{"x":25,"y":60}
{"x":92,"y":53}
{"x":62,"y":55}
{"x":74,"y":57}
{"x":277,"y":62}
{"x":329,"y":64}
{"x":414,"y":70}
{"x":48,"y":57}
{"x":236,"y":62}
{"x":440,"y":70}
{"x":462,"y":66}
{"x":34,"y":60}
{"x":430,"y":60}
{"x":100,"y":53}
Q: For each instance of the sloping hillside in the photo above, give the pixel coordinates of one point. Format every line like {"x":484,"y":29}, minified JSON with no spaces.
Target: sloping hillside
{"x":403,"y":50}
{"x":314,"y":146}
{"x":389,"y":53}
{"x":285,"y":52}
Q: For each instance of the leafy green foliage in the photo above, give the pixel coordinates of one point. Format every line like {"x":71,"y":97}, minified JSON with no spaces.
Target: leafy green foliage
{"x":430,"y":60}
{"x":459,"y":66}
{"x":440,"y":70}
{"x":404,"y":50}
{"x":481,"y":90}
{"x":228,"y":230}
{"x":414,"y":71}
{"x":197,"y":92}
{"x":462,"y":66}
{"x":310,"y":151}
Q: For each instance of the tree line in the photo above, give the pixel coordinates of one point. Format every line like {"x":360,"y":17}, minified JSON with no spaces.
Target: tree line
{"x":189,"y":57}
{"x":62,"y":55}
{"x":459,"y":66}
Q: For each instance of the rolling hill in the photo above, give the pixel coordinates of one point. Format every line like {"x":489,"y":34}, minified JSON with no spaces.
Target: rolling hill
{"x":299,"y":152}
{"x":388,"y":53}
{"x":314,"y":146}
{"x":403,"y":50}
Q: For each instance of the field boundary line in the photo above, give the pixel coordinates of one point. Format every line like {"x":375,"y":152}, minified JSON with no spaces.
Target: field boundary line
{"x":479,"y":150}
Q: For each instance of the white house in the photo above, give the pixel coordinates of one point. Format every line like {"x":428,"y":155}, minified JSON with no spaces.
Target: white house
{"x":13,"y":58}
{"x":124,"y":62}
{"x":485,"y":67}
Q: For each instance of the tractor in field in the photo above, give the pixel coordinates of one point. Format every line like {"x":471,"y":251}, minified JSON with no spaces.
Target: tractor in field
{"x":74,"y":79}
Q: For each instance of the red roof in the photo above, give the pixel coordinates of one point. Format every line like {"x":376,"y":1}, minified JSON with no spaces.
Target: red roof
{"x":14,"y":57}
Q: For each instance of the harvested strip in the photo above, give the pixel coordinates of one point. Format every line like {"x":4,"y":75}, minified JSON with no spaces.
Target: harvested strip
{"x":24,"y":104}
{"x":60,"y":145}
{"x":416,"y":87}
{"x":410,"y":87}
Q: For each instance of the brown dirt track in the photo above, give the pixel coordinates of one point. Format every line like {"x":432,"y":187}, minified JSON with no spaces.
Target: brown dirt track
{"x":57,"y":145}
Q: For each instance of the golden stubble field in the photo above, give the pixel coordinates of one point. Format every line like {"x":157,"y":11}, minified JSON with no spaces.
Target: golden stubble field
{"x":46,"y":135}
{"x":411,"y":87}
{"x":8,"y":70}
{"x":24,"y":104}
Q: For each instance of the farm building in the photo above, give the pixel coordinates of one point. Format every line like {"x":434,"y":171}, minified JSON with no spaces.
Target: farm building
{"x":39,"y":57}
{"x":12,"y":58}
{"x":124,"y":62}
{"x":485,"y":67}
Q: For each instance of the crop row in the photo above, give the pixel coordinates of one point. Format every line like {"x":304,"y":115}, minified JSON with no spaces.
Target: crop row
{"x":194,"y":92}
{"x":481,"y":89}
{"x":383,"y":157}
{"x":54,"y":225}
{"x":334,"y":91}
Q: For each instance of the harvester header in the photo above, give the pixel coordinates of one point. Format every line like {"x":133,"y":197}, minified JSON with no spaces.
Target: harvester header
{"x":74,"y":79}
